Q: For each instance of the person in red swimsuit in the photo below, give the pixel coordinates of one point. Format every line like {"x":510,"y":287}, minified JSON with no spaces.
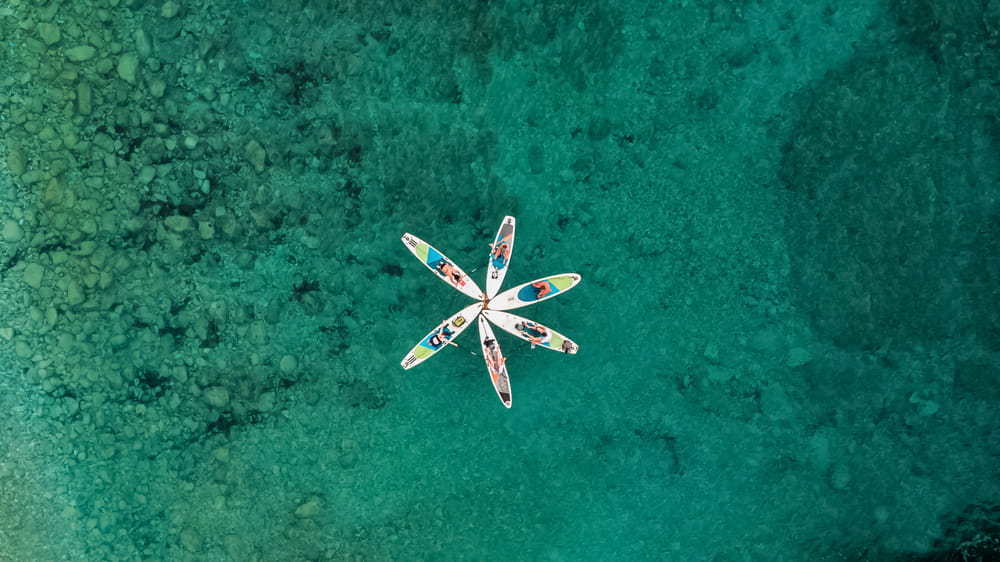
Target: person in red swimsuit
{"x":542,"y":288}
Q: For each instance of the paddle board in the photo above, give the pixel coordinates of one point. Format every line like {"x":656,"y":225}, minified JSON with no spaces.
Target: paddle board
{"x":531,"y":331}
{"x":441,"y":336}
{"x":443,"y":267}
{"x":495,"y":361}
{"x":534,"y":291}
{"x":499,"y":259}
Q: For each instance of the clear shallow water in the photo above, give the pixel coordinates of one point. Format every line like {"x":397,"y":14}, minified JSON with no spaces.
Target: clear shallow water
{"x":785,"y":216}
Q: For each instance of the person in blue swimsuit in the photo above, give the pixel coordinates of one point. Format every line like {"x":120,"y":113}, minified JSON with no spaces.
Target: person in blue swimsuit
{"x":535,"y":333}
{"x":501,"y":253}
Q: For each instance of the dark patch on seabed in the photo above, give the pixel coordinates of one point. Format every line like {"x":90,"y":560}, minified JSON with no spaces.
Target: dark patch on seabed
{"x":894,"y":225}
{"x":893,"y":171}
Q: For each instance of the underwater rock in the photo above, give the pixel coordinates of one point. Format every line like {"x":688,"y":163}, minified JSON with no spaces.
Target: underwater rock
{"x":81,"y":53}
{"x":217,"y":396}
{"x":221,"y":454}
{"x":157,"y":87}
{"x":74,"y":293}
{"x":797,"y":357}
{"x":310,"y":508}
{"x":190,"y":539}
{"x":128,"y":64}
{"x":169,"y":9}
{"x":83,"y":98}
{"x":177,"y":223}
{"x":12,"y":231}
{"x":17,"y":161}
{"x":146,"y":174}
{"x":33,"y":274}
{"x":143,"y":45}
{"x":288,"y":364}
{"x":256,"y":155}
{"x":206,"y":230}
{"x":49,"y":33}
{"x":266,"y":402}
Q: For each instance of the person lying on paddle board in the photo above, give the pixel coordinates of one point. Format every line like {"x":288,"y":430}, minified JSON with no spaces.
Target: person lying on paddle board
{"x":542,"y":288}
{"x":449,"y":271}
{"x":494,"y":359}
{"x":536,"y":333}
{"x":441,"y":337}
{"x":501,"y":252}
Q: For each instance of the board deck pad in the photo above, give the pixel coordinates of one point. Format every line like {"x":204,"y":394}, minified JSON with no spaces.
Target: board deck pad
{"x":444,"y":268}
{"x":496,"y":363}
{"x":534,"y":291}
{"x":499,"y":258}
{"x":531,"y":331}
{"x":439,"y":337}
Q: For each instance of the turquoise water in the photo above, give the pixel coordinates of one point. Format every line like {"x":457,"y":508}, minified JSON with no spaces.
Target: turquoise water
{"x":786,"y":217}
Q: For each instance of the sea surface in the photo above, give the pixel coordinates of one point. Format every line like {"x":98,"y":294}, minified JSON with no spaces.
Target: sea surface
{"x":785,"y":213}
